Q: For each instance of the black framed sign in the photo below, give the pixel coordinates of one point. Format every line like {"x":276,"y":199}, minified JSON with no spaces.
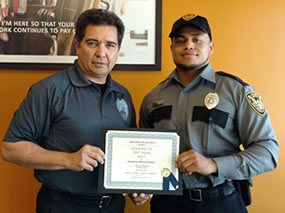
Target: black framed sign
{"x":38,"y":34}
{"x":140,"y":161}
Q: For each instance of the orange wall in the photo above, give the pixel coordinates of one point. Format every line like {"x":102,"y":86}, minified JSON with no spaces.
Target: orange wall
{"x":249,"y":41}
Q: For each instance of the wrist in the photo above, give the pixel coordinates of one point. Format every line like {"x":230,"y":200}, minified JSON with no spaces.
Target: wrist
{"x":214,"y":167}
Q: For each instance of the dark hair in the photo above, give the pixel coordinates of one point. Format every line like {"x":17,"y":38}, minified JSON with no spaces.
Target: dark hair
{"x":98,"y":17}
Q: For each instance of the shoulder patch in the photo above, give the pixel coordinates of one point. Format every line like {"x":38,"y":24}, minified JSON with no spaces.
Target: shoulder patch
{"x":232,"y":76}
{"x":255,"y":102}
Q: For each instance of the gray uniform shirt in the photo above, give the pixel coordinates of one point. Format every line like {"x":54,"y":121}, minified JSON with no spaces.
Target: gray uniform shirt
{"x":65,"y":111}
{"x":238,"y":119}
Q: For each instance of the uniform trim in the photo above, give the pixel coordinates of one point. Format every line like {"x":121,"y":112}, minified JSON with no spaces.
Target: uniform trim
{"x":215,"y":116}
{"x":233,"y":77}
{"x":160,"y":113}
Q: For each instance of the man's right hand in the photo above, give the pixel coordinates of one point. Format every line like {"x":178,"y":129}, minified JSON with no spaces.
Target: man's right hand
{"x":87,"y":158}
{"x":31,"y":155}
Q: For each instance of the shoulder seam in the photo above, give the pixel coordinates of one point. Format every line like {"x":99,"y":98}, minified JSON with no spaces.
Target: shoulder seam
{"x":233,"y":77}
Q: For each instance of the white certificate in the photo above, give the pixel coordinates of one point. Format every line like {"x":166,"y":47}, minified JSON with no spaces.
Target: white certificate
{"x":141,"y":160}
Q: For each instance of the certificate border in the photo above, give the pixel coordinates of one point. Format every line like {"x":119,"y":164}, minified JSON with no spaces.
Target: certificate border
{"x":102,"y":189}
{"x":128,"y":134}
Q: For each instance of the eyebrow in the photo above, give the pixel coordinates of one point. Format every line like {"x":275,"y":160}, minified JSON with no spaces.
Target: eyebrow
{"x":197,"y":34}
{"x":108,"y":42}
{"x":192,"y":34}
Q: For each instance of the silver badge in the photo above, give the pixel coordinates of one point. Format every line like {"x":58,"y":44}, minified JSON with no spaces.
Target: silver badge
{"x":157,"y":103}
{"x":211,"y":100}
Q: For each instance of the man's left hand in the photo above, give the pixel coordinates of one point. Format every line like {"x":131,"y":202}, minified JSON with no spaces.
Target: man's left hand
{"x":192,"y":161}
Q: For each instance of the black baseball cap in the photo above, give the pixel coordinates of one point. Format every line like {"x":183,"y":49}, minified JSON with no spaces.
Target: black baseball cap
{"x":194,"y":20}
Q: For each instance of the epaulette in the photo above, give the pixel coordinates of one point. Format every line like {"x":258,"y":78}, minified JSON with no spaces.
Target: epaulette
{"x":232,"y":76}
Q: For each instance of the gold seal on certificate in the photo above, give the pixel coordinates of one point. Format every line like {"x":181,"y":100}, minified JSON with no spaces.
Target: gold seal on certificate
{"x":211,"y":100}
{"x":165,"y":172}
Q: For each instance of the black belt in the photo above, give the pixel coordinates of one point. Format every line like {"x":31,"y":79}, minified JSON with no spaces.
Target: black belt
{"x":100,"y":201}
{"x":210,"y":193}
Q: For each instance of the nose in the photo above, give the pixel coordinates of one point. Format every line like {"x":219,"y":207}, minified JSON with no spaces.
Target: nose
{"x":100,"y":50}
{"x":189,"y":44}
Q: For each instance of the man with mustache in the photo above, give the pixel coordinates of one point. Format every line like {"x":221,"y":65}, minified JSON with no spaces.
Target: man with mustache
{"x":57,"y":128}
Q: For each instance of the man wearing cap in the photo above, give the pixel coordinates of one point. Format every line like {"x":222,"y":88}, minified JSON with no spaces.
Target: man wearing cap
{"x":218,"y":113}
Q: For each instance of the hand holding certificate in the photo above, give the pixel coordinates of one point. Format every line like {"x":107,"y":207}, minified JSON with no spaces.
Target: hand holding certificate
{"x":140,"y":160}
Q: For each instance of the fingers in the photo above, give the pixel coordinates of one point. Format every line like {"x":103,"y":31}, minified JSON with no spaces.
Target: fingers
{"x":139,"y":199}
{"x":87,"y":158}
{"x":96,"y":154}
{"x":187,"y":166}
{"x":92,"y":156}
{"x":87,"y":167}
{"x":134,"y":195}
{"x":185,"y":161}
{"x":90,"y":164}
{"x":192,"y":161}
{"x":188,"y":162}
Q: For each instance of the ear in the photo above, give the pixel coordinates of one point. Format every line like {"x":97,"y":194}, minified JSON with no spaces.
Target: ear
{"x":77,"y":45}
{"x":211,"y":46}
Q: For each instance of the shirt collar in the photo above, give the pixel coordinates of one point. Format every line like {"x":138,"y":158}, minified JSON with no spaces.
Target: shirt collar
{"x":208,"y":74}
{"x":78,"y":79}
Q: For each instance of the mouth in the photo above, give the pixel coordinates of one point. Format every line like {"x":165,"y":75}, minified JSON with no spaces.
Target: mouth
{"x":189,"y":54}
{"x":99,"y":63}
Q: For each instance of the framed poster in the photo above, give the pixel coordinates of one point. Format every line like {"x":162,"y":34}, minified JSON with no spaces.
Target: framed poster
{"x":38,"y":34}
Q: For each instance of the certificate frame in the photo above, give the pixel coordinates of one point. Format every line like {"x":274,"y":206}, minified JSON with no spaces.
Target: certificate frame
{"x":133,"y":34}
{"x":117,"y":184}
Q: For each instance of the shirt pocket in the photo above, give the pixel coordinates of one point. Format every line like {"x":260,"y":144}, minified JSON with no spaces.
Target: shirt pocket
{"x":210,"y":129}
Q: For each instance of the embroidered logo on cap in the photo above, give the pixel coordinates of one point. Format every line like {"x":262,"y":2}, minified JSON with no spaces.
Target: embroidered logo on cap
{"x":256,"y":103}
{"x":188,"y":17}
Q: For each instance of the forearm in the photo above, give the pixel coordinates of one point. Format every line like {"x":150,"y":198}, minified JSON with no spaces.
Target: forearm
{"x":257,"y":159}
{"x":30,"y":155}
